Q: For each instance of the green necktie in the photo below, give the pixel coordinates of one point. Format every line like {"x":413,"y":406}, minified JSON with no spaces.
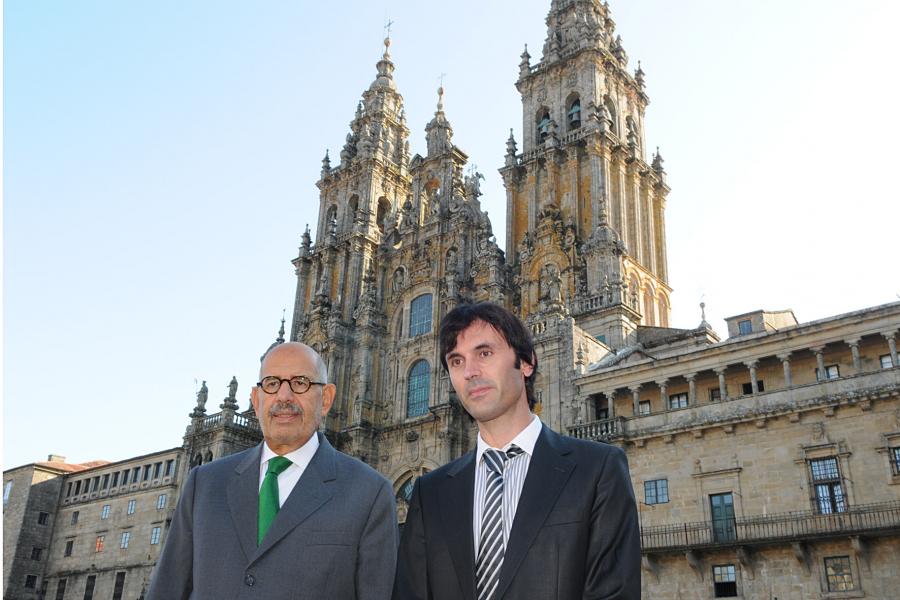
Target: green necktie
{"x":268,"y":495}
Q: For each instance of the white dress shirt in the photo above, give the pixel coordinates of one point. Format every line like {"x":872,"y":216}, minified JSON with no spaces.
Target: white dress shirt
{"x":513,"y":478}
{"x":289,"y":477}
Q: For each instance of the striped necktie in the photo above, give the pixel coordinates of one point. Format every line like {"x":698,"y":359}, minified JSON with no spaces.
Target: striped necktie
{"x":268,"y":495}
{"x":491,"y":546}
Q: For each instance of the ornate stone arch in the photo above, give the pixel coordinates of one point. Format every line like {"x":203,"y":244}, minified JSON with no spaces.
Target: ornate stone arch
{"x":648,"y":305}
{"x":663,"y":304}
{"x":573,"y":111}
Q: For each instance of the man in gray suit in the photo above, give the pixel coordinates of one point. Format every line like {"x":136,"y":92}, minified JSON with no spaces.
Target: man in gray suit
{"x":291,"y":518}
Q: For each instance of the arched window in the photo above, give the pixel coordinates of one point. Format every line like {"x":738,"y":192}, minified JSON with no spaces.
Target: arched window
{"x":330,"y":215}
{"x":384,"y":209}
{"x":543,"y":124}
{"x":354,"y":207}
{"x":613,"y":114}
{"x":574,"y":114}
{"x":649,"y":308}
{"x":404,"y":492}
{"x":417,"y":389}
{"x":209,"y":456}
{"x":420,"y":315}
{"x":663,"y":311}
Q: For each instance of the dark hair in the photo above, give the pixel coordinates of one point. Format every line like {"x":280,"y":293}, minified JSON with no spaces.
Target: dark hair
{"x":504,"y":322}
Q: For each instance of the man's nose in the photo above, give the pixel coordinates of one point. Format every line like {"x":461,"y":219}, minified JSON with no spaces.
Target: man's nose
{"x":284,"y":391}
{"x":471,"y":370}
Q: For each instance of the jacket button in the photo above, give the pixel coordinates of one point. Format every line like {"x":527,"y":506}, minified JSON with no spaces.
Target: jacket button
{"x":249,"y":579}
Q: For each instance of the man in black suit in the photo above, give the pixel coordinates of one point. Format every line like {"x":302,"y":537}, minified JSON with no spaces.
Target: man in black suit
{"x":529,"y":514}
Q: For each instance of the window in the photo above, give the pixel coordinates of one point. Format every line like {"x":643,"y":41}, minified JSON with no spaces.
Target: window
{"x":44,"y":518}
{"x":135,"y":475}
{"x":715,"y":394}
{"x":829,"y":493}
{"x":420,"y":315}
{"x":77,"y":487}
{"x":31,"y":581}
{"x":601,"y":338}
{"x":126,"y":537}
{"x":95,"y":484}
{"x":170,"y":467}
{"x":147,"y":471}
{"x":7,"y":488}
{"x":724,"y":581}
{"x":98,"y":544}
{"x":157,"y":470}
{"x":70,"y":545}
{"x":417,"y":389}
{"x":656,"y":491}
{"x":574,"y":114}
{"x":745,"y":327}
{"x":678,"y":400}
{"x":747,"y":388}
{"x":644,"y":407}
{"x":722,"y":512}
{"x":105,"y":483}
{"x":120,"y":585}
{"x":115,"y":479}
{"x":886,"y":363}
{"x":838,"y":574}
{"x":125,"y":477}
{"x":131,"y":506}
{"x":406,"y":490}
{"x":894,"y":453}
{"x":154,"y":535}
{"x":74,"y":517}
{"x":104,"y":512}
{"x":831,"y":372}
{"x":36,"y":553}
{"x":61,"y":589}
{"x":161,"y":502}
{"x":69,"y":489}
{"x":89,"y":587}
{"x":543,"y":125}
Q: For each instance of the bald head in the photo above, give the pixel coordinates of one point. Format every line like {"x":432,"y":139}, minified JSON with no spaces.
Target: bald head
{"x":301,"y":352}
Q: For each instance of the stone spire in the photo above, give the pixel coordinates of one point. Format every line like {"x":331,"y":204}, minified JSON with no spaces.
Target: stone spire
{"x":438,"y":132}
{"x":511,"y":149}
{"x":385,"y":77}
{"x":573,"y":25}
{"x":306,"y":243}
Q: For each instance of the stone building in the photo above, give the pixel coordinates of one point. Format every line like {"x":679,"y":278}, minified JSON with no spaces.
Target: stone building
{"x":766,"y":465}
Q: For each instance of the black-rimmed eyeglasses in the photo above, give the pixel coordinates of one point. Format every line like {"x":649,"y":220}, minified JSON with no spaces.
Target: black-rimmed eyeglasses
{"x":299,"y":384}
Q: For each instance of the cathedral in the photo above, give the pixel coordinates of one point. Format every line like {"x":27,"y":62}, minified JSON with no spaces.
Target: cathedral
{"x":765,"y":464}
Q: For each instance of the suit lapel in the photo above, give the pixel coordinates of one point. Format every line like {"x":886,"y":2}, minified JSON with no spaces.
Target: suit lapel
{"x":243,"y":500}
{"x":548,"y":471}
{"x":308,"y":495}
{"x":456,"y":496}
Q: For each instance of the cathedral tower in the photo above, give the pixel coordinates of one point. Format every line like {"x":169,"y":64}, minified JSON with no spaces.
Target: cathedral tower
{"x":585,"y":211}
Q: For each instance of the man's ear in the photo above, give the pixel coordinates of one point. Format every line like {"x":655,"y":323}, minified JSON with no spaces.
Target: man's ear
{"x":328,"y":393}
{"x":254,"y":399}
{"x":528,"y":367}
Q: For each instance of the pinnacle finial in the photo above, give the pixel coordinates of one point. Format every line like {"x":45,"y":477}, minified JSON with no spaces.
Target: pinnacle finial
{"x":440,"y":103}
{"x":280,"y":338}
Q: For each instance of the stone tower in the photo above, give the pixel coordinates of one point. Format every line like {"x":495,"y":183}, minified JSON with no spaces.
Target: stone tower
{"x":585,"y":211}
{"x":400,"y":241}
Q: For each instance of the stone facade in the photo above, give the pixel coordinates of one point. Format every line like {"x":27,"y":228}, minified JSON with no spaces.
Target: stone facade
{"x":767,"y":465}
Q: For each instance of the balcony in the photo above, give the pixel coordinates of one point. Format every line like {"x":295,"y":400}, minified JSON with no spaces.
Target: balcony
{"x":865,"y":519}
{"x":603,"y":430}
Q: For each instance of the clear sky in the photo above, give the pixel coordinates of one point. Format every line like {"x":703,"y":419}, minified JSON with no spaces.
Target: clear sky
{"x":160,"y":161}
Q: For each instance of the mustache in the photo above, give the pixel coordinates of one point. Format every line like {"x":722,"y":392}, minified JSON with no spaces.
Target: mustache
{"x":284,"y":408}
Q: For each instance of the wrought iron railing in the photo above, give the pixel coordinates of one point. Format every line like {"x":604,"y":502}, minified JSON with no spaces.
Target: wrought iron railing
{"x":761,"y":529}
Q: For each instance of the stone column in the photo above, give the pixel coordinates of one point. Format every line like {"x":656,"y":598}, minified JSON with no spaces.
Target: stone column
{"x":663,"y":392}
{"x":692,"y":388}
{"x":820,"y":362}
{"x":890,"y":336}
{"x":786,"y":363}
{"x":636,"y":398}
{"x":611,"y":404}
{"x":754,"y":384}
{"x":723,"y":388}
{"x":854,"y":350}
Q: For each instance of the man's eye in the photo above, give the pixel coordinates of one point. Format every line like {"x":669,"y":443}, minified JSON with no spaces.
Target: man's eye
{"x":455,"y":362}
{"x":486,"y":353}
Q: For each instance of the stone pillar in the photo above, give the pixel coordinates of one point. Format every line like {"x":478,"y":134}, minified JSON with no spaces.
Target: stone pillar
{"x":819,"y":351}
{"x":723,"y":388}
{"x":692,"y":388}
{"x":854,"y":350}
{"x":598,"y":185}
{"x":754,"y":384}
{"x":890,"y":336}
{"x":636,"y":399}
{"x":611,"y":404}
{"x":786,"y":364}
{"x":663,"y":392}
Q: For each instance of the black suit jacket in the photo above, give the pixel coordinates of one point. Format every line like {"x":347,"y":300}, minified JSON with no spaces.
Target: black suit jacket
{"x":575,"y":534}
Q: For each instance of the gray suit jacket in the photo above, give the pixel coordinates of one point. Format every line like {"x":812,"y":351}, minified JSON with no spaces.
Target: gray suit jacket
{"x":335,"y":536}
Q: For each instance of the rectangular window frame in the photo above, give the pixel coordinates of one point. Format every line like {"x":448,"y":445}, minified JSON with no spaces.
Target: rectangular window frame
{"x":124,"y":540}
{"x":70,"y":547}
{"x":74,"y":519}
{"x":170,"y":468}
{"x":119,"y":587}
{"x":104,"y":512}
{"x":886,"y":361}
{"x":838,"y":580}
{"x":745,"y":327}
{"x":829,"y":495}
{"x":7,"y":490}
{"x":642,"y":405}
{"x":724,"y":581}
{"x":99,"y":543}
{"x":30,"y":582}
{"x":89,"y":587}
{"x":132,"y":506}
{"x":36,"y":553}
{"x":894,"y":455}
{"x":656,"y":491}
{"x":155,"y":534}
{"x":43,"y":518}
{"x":61,"y":589}
{"x":679,"y":400}
{"x":161,"y":501}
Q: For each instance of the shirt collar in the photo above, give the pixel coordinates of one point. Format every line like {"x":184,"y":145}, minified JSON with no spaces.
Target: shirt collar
{"x":526,"y":439}
{"x":301,"y":456}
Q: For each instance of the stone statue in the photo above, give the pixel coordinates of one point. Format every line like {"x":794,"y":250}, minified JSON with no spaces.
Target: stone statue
{"x":452,"y":262}
{"x":553,"y":284}
{"x":232,"y":388}
{"x":397,"y":281}
{"x":202,"y":396}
